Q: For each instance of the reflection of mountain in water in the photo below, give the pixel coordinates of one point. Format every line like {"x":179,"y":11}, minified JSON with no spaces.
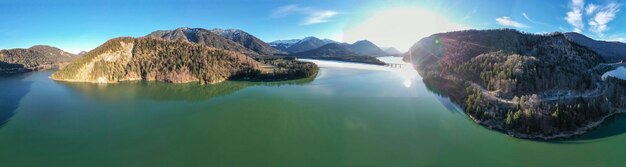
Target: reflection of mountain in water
{"x":452,"y":93}
{"x":155,"y":90}
{"x":12,"y":89}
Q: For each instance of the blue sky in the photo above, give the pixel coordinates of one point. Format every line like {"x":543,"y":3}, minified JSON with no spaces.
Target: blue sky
{"x":76,"y":25}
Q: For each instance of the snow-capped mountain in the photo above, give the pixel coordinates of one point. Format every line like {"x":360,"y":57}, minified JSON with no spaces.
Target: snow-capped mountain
{"x":300,"y":45}
{"x":284,"y":44}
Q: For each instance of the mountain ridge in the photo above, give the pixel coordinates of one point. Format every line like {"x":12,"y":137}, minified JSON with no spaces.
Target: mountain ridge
{"x":247,"y":40}
{"x":204,"y":37}
{"x":37,"y":57}
{"x":611,"y":51}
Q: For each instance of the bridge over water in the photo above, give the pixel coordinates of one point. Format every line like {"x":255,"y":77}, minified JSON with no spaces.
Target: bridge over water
{"x":395,"y":65}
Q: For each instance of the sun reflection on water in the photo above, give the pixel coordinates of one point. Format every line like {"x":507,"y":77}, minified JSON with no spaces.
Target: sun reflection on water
{"x":406,"y":72}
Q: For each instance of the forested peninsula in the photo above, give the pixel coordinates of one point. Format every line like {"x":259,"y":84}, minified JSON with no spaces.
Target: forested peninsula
{"x":526,"y":85}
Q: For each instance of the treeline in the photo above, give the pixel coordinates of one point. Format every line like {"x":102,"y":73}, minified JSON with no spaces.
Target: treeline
{"x":532,"y":117}
{"x":285,"y":68}
{"x":512,"y":74}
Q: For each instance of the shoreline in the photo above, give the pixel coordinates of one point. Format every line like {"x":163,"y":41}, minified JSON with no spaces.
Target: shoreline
{"x":563,"y":135}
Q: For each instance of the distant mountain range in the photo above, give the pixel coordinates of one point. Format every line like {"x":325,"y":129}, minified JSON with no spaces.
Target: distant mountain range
{"x":38,"y":57}
{"x":336,"y":51}
{"x":326,"y":47}
{"x":610,"y":51}
{"x":241,"y":41}
{"x":300,"y":45}
{"x":284,"y":44}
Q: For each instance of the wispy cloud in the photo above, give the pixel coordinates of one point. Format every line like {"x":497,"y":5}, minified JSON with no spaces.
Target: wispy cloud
{"x":590,"y":9}
{"x":533,"y":21}
{"x":312,"y":15}
{"x":469,"y":14}
{"x":506,"y":21}
{"x":575,"y":16}
{"x":603,"y":16}
{"x":320,"y":17}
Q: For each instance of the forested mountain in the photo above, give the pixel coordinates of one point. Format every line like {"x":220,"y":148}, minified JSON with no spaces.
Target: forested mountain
{"x":532,"y":86}
{"x":203,"y":37}
{"x":331,"y":49}
{"x":39,"y":57}
{"x":391,"y":51}
{"x":175,"y":61}
{"x":365,"y":47}
{"x":610,"y":51}
{"x":247,"y":40}
{"x":335,"y":51}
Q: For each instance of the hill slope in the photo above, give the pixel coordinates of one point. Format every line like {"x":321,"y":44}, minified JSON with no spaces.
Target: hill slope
{"x":247,"y":40}
{"x":531,"y":86}
{"x":610,"y":51}
{"x":128,"y":58}
{"x":365,"y":47}
{"x":39,"y":57}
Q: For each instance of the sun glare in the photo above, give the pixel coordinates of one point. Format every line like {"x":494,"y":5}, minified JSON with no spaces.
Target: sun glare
{"x":400,"y":27}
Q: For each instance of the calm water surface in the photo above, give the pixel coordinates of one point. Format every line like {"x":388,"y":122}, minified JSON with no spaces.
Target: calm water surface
{"x":349,"y":115}
{"x":620,"y":72}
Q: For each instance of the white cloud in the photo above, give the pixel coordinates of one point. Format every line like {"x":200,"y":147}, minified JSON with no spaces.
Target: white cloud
{"x":313,"y":16}
{"x":604,"y":15}
{"x":320,"y":17}
{"x":578,"y":3}
{"x":506,"y":21}
{"x":575,"y":16}
{"x":400,"y":27}
{"x":590,"y":9}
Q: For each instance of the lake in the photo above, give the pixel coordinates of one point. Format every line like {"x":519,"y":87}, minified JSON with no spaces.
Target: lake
{"x":349,"y":115}
{"x":619,"y":72}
